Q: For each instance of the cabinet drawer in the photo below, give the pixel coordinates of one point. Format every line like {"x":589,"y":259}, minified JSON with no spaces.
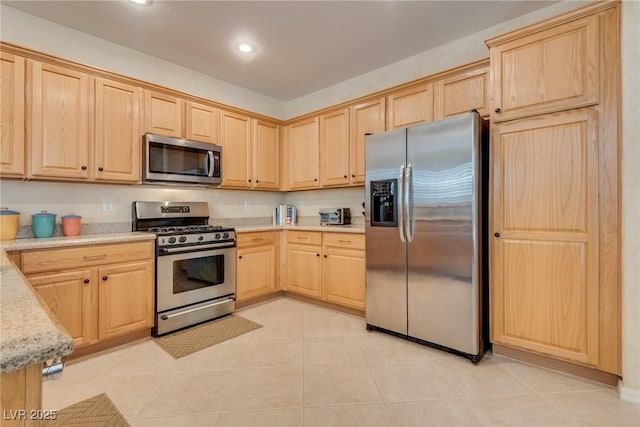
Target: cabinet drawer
{"x":304,"y":237}
{"x":255,"y":239}
{"x":84,"y":256}
{"x":344,"y":240}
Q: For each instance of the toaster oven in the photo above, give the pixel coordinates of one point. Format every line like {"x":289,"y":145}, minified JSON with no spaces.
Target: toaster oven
{"x":337,"y":216}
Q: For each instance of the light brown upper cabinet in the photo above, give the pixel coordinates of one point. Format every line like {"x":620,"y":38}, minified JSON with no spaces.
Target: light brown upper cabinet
{"x":12,"y":96}
{"x":266,"y":155}
{"x":117,"y":131}
{"x":544,"y":288}
{"x":549,"y":70}
{"x":410,"y":106}
{"x":461,"y":93}
{"x":364,"y":118}
{"x":163,"y":114}
{"x":201,"y":122}
{"x":303,"y":146}
{"x":334,"y":148}
{"x":235,"y":139}
{"x":59,"y":117}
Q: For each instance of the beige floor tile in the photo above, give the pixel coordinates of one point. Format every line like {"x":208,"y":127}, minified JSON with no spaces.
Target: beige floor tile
{"x":225,"y":355}
{"x":339,"y":383}
{"x":267,"y":418}
{"x":93,"y":366}
{"x":412,"y":380}
{"x":204,"y":420}
{"x":263,"y":352}
{"x":320,"y":350}
{"x":433,"y":413}
{"x":189,"y":394}
{"x":517,"y":411}
{"x":61,"y":392}
{"x":265,"y":388}
{"x":333,"y":325}
{"x":378,"y":346}
{"x":347,"y":415}
{"x":595,"y":408}
{"x":543,"y":380}
{"x":484,"y":379}
{"x":143,"y":358}
{"x":279,"y":328}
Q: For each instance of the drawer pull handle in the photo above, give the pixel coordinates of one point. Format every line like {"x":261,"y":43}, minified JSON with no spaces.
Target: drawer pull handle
{"x":257,"y":239}
{"x":95,"y":257}
{"x":302,"y":237}
{"x":344,"y":241}
{"x":105,"y":278}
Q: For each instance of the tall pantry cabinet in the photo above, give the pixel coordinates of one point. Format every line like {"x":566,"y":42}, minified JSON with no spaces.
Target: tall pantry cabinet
{"x":554,"y":272}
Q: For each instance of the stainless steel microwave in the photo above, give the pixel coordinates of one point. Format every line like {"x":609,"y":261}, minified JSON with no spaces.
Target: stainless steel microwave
{"x":180,"y":160}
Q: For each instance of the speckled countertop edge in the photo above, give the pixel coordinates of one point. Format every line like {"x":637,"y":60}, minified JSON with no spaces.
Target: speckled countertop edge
{"x":358,"y":229}
{"x":29,"y":333}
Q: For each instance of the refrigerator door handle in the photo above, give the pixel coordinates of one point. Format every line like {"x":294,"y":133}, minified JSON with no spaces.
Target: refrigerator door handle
{"x":400,"y":203}
{"x":408,"y":202}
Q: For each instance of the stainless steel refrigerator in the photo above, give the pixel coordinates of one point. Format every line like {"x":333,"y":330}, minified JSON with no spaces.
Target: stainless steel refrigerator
{"x":425,"y":213}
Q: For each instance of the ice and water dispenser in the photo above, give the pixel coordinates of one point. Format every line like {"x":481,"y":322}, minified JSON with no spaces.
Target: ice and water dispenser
{"x":384,"y":211}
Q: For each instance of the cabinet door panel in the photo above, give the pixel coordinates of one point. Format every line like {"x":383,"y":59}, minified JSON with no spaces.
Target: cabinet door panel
{"x":304,"y":164}
{"x":163,"y":114}
{"x":11,"y":115}
{"x":304,"y":270}
{"x":256,"y":274}
{"x":547,"y":71}
{"x":266,"y":154}
{"x":235,"y":138}
{"x":60,"y":114}
{"x":365,"y":118}
{"x":544,"y":275}
{"x":334,"y":148}
{"x":410,"y":106}
{"x":462,"y":93}
{"x":117,"y":131}
{"x":72,"y":301}
{"x":126,"y":298}
{"x":344,"y":277}
{"x":201,"y":122}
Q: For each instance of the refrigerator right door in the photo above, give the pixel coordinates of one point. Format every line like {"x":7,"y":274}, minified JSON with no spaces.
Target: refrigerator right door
{"x":386,"y":282}
{"x":443,"y":161}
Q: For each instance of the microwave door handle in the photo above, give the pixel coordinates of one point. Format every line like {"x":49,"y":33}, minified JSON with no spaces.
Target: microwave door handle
{"x":209,"y":170}
{"x":400,"y":204}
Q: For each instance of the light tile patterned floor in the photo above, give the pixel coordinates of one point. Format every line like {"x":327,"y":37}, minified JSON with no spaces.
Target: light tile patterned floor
{"x":310,"y":366}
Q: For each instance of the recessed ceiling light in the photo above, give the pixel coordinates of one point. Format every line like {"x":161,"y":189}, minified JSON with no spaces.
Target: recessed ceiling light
{"x":141,"y":2}
{"x":246,"y":48}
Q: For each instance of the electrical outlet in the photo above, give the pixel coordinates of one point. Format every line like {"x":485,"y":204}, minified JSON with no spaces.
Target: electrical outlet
{"x":107,"y":206}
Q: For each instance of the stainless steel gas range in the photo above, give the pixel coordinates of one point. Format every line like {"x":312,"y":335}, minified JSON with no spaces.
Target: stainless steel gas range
{"x":195,"y":263}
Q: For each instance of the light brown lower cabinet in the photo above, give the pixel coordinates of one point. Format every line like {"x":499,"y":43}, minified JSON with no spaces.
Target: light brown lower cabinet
{"x":327,"y":266}
{"x":96,"y":296}
{"x":257,"y":264}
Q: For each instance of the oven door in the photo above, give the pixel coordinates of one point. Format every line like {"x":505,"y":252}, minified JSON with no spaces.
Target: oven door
{"x":191,"y":277}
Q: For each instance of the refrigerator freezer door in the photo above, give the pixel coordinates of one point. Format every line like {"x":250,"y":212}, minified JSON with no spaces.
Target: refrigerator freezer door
{"x":443,"y":306}
{"x":386,"y":283}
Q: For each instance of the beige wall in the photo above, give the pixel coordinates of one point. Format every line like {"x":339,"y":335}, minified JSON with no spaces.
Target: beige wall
{"x":630,"y":389}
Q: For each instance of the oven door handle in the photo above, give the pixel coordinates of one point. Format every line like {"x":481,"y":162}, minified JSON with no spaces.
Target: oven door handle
{"x":194,"y":248}
{"x":191,"y":310}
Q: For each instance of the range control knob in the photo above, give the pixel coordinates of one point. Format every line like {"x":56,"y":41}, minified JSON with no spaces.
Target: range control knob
{"x":182,"y":239}
{"x":172,"y":239}
{"x":225,"y":235}
{"x":200,"y":237}
{"x":217,"y":236}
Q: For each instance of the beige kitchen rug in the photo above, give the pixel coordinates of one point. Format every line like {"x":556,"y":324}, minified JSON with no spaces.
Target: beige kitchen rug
{"x":183,"y":343}
{"x":96,"y":411}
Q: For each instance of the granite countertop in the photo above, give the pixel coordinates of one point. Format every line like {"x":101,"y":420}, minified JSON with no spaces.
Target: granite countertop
{"x":29,"y":333}
{"x":355,"y":228}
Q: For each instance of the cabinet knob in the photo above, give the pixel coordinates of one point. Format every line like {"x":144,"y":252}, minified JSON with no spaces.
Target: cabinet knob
{"x":496,"y":234}
{"x":101,"y":169}
{"x":105,"y":278}
{"x":325,"y":256}
{"x":497,"y":110}
{"x":257,"y":181}
{"x":83,"y":167}
{"x":345,"y":176}
{"x":249,"y":180}
{"x":315,"y":179}
{"x":353,"y":175}
{"x":239,"y":256}
{"x":317,"y":255}
{"x":86,"y":281}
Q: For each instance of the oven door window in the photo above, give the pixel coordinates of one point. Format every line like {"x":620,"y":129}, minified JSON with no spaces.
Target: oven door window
{"x":177,"y":160}
{"x":195,"y":273}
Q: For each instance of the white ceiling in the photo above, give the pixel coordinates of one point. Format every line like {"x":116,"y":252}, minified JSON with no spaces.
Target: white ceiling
{"x":302,"y":46}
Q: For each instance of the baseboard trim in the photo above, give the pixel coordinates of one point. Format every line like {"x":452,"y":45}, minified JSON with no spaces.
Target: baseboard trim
{"x":325,"y":304}
{"x":129,"y":338}
{"x":558,"y":365}
{"x":629,"y":394}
